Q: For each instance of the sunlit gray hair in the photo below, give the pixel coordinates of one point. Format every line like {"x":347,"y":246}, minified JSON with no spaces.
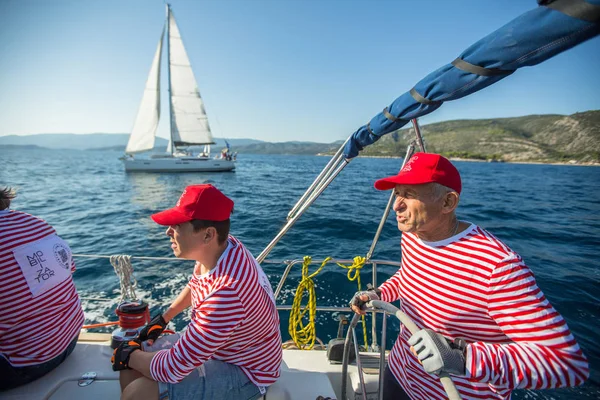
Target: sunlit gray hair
{"x":6,"y":195}
{"x":438,"y":191}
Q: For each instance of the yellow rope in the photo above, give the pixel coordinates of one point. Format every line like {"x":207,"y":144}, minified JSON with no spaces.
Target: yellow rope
{"x":304,"y":335}
{"x":354,"y":275}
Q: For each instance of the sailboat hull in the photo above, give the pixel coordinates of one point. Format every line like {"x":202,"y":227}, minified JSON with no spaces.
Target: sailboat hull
{"x":178,"y":164}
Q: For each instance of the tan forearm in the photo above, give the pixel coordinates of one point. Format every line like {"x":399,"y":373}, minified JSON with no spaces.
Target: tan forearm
{"x":140,"y":361}
{"x":183,"y":301}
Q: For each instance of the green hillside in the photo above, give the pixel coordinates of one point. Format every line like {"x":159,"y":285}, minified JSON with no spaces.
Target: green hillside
{"x":534,"y":138}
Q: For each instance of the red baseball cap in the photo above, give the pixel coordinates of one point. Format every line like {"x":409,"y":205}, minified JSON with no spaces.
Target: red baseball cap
{"x":203,"y":202}
{"x":424,"y":168}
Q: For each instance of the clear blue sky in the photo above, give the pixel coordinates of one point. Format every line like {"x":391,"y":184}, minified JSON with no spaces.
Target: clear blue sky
{"x":273,"y":70}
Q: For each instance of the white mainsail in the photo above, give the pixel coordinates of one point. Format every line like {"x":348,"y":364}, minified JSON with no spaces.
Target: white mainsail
{"x":146,"y":122}
{"x":189,"y":123}
{"x":188,"y":120}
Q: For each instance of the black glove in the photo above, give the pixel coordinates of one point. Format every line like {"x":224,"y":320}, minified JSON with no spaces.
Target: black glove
{"x":371,"y":292}
{"x":153,"y":330}
{"x":438,"y":354}
{"x":120,"y":357}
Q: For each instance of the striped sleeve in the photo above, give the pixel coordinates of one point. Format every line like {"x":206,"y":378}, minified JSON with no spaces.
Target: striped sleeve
{"x":543,"y":354}
{"x":216,"y":320}
{"x":390,"y":289}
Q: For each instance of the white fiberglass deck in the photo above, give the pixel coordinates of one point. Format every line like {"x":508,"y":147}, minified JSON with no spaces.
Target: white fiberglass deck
{"x":305,"y":376}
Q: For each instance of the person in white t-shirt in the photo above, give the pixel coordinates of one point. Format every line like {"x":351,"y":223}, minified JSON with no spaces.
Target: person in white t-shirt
{"x":231,"y":349}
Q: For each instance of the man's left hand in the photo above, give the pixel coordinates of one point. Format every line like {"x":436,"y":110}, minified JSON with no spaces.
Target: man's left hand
{"x":120,"y":358}
{"x":359,"y":301}
{"x":436,"y":354}
{"x":153,"y":330}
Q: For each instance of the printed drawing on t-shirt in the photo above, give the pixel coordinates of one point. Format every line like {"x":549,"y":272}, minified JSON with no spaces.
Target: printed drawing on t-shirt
{"x":45,"y":263}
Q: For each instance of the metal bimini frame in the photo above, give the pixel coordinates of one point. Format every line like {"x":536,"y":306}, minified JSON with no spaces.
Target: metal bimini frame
{"x":327,"y":175}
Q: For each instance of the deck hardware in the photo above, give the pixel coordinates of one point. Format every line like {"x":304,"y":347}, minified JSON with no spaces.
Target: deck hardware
{"x":86,"y":379}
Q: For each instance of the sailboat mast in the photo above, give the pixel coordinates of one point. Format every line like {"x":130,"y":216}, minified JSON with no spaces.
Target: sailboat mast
{"x":169,"y":78}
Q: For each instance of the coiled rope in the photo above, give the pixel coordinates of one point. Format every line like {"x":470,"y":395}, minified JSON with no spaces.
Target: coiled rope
{"x":127,"y":320}
{"x":304,"y":335}
{"x":354,"y":275}
{"x":124,"y":270}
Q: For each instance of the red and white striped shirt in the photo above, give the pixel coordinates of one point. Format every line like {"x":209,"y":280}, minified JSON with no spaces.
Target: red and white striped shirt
{"x":40,"y":312}
{"x":474,"y":287}
{"x":234,"y":320}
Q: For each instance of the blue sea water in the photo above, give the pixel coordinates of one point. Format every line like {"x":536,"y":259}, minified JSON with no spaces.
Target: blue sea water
{"x":549,"y":214}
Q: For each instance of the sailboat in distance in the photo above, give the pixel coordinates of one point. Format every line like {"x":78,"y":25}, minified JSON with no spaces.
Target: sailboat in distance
{"x":188,"y":120}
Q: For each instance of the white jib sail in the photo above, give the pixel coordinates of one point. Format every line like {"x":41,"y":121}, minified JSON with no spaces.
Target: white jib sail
{"x":146,"y":122}
{"x":189,"y":120}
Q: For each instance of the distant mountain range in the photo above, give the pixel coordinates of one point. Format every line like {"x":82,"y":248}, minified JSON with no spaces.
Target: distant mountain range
{"x":96,"y":141}
{"x":536,"y":138}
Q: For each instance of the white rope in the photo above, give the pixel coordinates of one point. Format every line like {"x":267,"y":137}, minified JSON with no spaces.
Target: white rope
{"x":124,"y":270}
{"x":94,"y":299}
{"x":131,"y":257}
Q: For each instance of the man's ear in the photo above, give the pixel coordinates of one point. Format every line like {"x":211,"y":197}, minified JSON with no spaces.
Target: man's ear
{"x":209,"y":233}
{"x":450,"y":202}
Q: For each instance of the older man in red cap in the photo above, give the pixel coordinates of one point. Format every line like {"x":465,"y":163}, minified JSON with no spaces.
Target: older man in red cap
{"x":232,"y":347}
{"x":482,"y":317}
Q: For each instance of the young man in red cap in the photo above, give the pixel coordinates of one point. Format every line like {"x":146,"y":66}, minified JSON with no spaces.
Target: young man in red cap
{"x":232,"y":347}
{"x":482,"y":317}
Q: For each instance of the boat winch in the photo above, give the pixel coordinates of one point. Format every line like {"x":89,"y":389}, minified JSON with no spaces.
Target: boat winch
{"x":133,"y":316}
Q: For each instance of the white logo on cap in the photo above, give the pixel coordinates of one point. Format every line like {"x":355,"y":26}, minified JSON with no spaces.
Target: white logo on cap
{"x":407,"y":167}
{"x":181,"y":198}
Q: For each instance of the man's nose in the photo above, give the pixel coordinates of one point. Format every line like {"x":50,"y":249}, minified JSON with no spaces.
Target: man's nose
{"x":169,"y":231}
{"x":398,"y":203}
